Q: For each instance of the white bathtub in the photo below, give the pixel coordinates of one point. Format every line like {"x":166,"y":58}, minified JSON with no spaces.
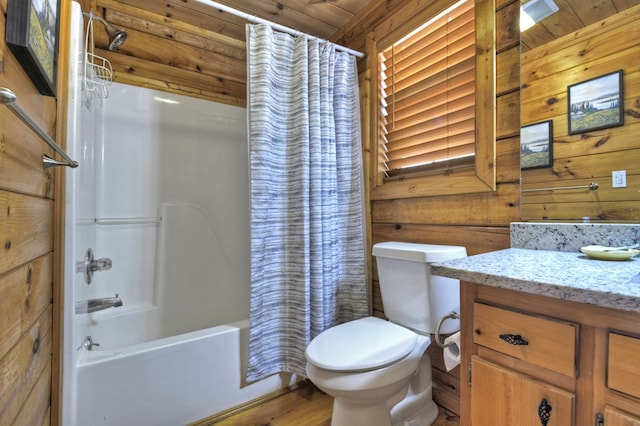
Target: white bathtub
{"x":170,"y":381}
{"x":180,"y":356}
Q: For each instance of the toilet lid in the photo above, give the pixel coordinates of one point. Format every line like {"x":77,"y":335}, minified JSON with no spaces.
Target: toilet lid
{"x":363,"y":344}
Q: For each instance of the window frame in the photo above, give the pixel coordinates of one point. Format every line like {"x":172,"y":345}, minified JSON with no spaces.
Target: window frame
{"x":480,"y":178}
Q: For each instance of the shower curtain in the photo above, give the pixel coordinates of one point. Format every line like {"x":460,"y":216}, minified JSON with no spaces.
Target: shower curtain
{"x":307,"y":223}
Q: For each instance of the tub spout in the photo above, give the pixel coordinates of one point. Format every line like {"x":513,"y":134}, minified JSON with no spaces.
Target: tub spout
{"x":95,"y":305}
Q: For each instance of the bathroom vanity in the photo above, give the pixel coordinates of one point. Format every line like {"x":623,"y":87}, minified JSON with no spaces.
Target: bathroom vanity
{"x":548,"y":337}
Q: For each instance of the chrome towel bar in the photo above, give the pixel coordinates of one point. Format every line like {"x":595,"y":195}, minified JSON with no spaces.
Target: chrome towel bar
{"x":592,"y":187}
{"x":8,"y":98}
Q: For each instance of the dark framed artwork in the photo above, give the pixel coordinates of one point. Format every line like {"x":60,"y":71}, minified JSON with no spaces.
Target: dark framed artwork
{"x":32,"y":35}
{"x":596,"y":103}
{"x":536,"y":145}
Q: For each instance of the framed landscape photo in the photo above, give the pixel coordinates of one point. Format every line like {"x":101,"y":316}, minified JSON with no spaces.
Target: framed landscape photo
{"x":32,"y":35}
{"x":536,"y":145}
{"x":596,"y":104}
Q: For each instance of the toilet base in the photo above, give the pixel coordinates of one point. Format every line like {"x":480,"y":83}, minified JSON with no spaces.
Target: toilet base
{"x":425,"y":417}
{"x":417,"y":407}
{"x":377,"y":414}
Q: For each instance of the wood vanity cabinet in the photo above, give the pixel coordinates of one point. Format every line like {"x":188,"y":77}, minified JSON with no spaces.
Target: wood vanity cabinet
{"x":535,"y":360}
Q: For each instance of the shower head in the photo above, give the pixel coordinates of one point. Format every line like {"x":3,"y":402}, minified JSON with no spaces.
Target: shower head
{"x":117,"y":36}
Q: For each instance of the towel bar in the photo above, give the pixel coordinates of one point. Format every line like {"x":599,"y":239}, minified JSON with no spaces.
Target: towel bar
{"x":592,"y":187}
{"x":8,"y":98}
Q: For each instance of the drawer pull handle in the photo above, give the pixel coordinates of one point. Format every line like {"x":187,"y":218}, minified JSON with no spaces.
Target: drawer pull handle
{"x":514,"y":339}
{"x":544,"y":412}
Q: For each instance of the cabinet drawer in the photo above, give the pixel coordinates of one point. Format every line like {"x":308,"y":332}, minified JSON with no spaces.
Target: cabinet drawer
{"x":623,"y":370}
{"x":544,"y":342}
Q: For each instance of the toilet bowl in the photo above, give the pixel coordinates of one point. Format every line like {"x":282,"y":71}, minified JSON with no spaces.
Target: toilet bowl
{"x":378,"y":371}
{"x":368,"y":372}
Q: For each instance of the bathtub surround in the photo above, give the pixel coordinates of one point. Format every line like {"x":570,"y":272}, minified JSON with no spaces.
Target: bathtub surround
{"x":163,"y":190}
{"x":307,"y":224}
{"x":179,"y":342}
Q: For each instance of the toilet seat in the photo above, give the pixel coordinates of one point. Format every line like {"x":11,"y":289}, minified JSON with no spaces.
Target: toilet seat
{"x":360,"y":345}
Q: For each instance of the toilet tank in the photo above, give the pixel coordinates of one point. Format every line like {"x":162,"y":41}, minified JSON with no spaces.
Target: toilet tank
{"x":411,"y":296}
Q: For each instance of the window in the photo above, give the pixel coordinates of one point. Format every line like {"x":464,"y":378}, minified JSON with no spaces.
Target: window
{"x":435,"y":128}
{"x":428,"y":95}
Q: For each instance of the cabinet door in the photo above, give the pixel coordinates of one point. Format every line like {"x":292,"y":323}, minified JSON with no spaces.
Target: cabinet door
{"x":613,"y":417}
{"x":501,"y":397}
{"x":623,"y":370}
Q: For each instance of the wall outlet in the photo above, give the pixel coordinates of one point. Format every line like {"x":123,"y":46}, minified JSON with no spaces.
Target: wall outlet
{"x":619,"y":179}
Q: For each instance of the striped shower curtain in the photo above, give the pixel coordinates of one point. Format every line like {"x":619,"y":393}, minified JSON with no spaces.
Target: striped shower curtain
{"x":307,"y":222}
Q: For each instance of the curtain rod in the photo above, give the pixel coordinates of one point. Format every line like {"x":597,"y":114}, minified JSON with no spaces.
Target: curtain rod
{"x":254,"y":19}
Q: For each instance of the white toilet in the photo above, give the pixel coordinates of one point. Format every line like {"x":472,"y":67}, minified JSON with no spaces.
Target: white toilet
{"x":378,"y":371}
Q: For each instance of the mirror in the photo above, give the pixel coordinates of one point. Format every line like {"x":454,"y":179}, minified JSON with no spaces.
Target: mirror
{"x":575,"y":112}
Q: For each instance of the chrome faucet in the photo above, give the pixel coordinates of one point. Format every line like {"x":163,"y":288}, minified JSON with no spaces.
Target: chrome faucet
{"x":94,"y":305}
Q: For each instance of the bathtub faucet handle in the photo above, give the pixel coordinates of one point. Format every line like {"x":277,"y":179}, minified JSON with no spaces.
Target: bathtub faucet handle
{"x":102,"y":264}
{"x":90,"y":265}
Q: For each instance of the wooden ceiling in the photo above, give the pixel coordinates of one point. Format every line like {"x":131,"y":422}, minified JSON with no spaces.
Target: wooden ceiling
{"x":572,"y":16}
{"x":321,"y":18}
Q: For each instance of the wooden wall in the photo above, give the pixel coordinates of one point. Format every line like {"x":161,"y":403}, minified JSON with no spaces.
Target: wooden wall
{"x":480,"y":221}
{"x":602,"y":48}
{"x":28,"y":301}
{"x":477,"y":221}
{"x":164,"y":52}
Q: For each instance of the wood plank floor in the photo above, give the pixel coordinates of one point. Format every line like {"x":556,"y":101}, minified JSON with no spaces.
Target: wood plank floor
{"x":306,"y":406}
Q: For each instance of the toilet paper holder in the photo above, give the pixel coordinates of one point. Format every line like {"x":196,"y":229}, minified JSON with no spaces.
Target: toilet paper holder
{"x":438,"y":338}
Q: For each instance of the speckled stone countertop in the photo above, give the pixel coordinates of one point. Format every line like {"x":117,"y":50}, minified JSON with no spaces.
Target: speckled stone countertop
{"x":571,"y":236}
{"x":566,"y":275}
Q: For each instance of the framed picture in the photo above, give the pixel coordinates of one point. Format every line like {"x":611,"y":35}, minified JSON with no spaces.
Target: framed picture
{"x":536,"y":145}
{"x":596,"y":104}
{"x":32,"y":35}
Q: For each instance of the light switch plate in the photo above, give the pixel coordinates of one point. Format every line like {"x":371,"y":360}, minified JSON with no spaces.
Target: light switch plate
{"x":619,"y":179}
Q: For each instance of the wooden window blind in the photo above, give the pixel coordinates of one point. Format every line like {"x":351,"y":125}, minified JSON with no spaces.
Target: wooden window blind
{"x":427,"y":93}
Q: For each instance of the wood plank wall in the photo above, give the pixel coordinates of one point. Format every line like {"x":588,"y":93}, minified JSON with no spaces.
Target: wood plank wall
{"x":479,"y":222}
{"x":163,"y":52}
{"x":27,"y":263}
{"x":602,"y":48}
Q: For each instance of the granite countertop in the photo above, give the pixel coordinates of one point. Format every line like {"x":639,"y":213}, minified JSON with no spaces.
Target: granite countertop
{"x":562,"y":275}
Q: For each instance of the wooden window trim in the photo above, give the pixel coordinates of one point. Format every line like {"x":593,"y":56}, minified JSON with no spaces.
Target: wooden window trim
{"x":483,"y":176}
